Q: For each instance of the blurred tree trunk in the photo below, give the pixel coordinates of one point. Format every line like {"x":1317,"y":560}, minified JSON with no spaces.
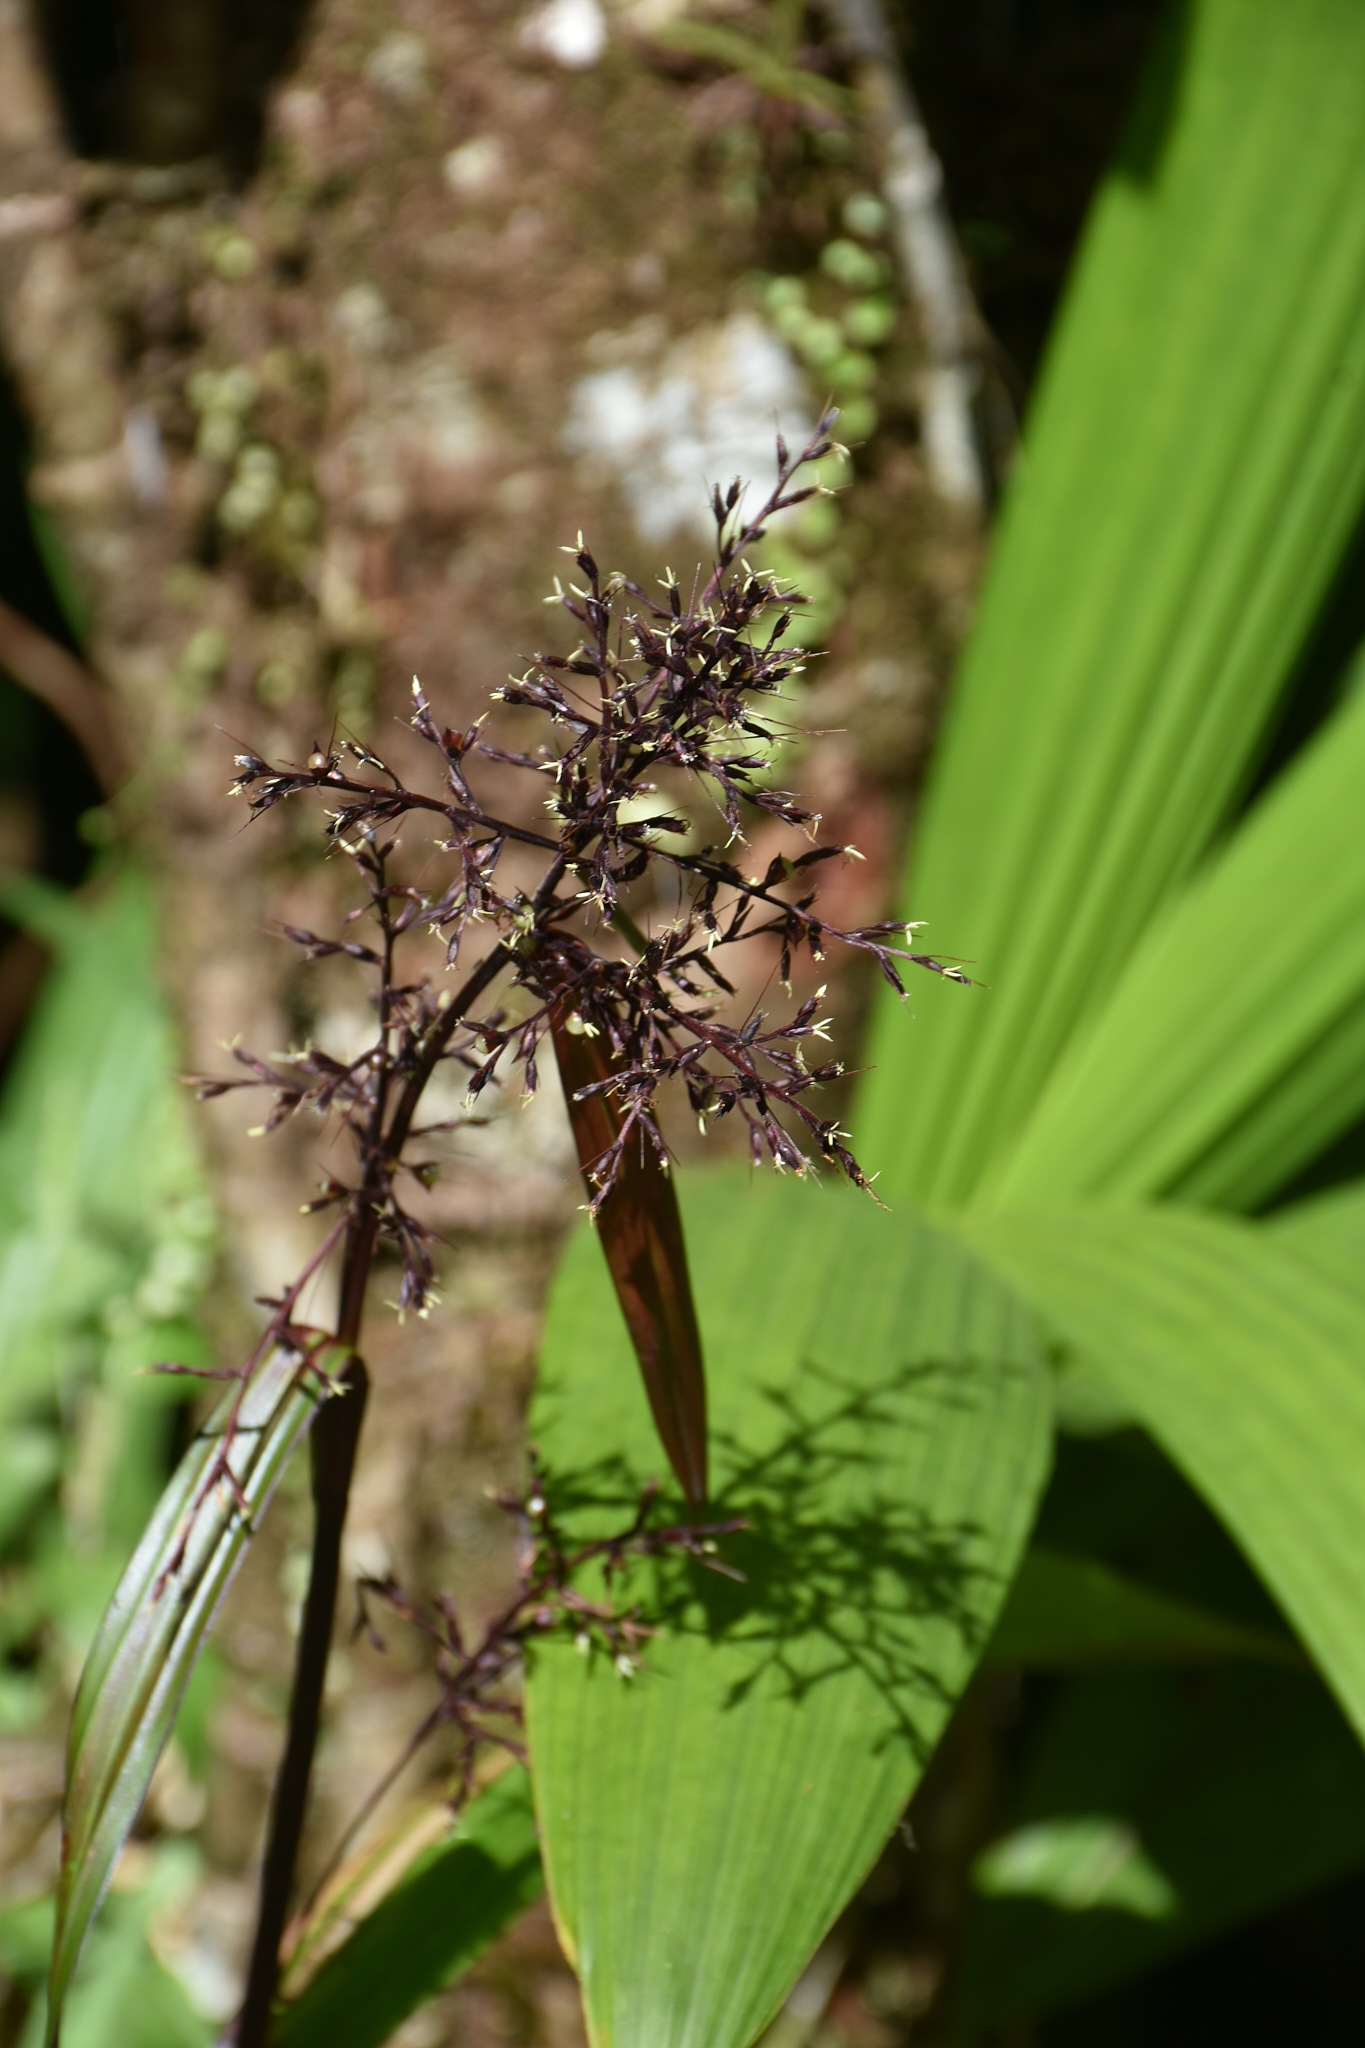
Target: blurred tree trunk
{"x":303,"y":433}
{"x":303,"y":437}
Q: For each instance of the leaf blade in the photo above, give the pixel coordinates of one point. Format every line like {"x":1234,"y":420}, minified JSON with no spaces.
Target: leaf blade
{"x":1330,"y":1227}
{"x":1166,"y":1076}
{"x":454,"y":1901}
{"x":1068,"y":1612}
{"x":151,"y":1635}
{"x":1188,"y":494}
{"x":703,"y":1823}
{"x":1243,"y":1359}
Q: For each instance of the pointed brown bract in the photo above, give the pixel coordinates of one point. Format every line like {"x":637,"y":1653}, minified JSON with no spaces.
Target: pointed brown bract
{"x":642,"y":1236}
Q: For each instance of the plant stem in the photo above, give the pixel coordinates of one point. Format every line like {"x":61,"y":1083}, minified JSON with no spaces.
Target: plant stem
{"x":335,"y":1437}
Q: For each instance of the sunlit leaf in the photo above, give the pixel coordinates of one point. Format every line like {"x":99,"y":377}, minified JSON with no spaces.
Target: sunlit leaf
{"x":1247,"y":1362}
{"x":881,"y":1415}
{"x":1292,"y":1124}
{"x":1232,"y":998}
{"x":642,"y":1238}
{"x":1195,"y":464}
{"x":155,"y":1627}
{"x":1330,"y":1227}
{"x":456,"y":1899}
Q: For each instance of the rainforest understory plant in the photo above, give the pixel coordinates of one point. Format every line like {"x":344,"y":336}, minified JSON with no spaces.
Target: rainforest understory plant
{"x":1075,"y":1424}
{"x":694,"y":688}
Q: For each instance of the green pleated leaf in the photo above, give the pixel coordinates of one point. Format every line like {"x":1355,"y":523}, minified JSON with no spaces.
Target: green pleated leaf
{"x":1065,"y":1611}
{"x":1308,"y":1106}
{"x":454,"y":1901}
{"x":1247,"y":1362}
{"x":880,"y":1413}
{"x":1329,"y":1227}
{"x":1230,"y":998}
{"x":155,"y":1627}
{"x":1195,"y":463}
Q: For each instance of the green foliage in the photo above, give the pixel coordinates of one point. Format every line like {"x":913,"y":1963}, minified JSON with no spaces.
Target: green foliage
{"x":154,"y":1629}
{"x":455,"y":1900}
{"x":105,"y":1240}
{"x":1244,"y":1361}
{"x":1223,"y":1100}
{"x":122,"y":1992}
{"x":1242,"y":1792}
{"x":105,"y":1231}
{"x":1078,"y":1865}
{"x":1065,"y":1612}
{"x":1175,"y":1013}
{"x":1175,"y":1007}
{"x":1195,"y":464}
{"x":880,"y":1416}
{"x":1330,"y":1229}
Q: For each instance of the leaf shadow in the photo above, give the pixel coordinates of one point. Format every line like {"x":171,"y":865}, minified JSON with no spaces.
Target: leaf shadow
{"x":844,"y":1571}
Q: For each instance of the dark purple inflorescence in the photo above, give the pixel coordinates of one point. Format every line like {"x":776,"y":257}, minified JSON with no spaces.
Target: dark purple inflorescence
{"x":684,"y":691}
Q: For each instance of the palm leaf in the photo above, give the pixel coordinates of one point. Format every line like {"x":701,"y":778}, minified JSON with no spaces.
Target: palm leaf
{"x":1330,"y":1227}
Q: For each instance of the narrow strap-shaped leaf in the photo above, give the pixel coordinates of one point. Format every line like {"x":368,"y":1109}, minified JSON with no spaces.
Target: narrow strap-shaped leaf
{"x":881,"y":1415}
{"x":640,"y":1227}
{"x":1247,"y":1362}
{"x":1226,"y":1000}
{"x":1288,"y":1127}
{"x":456,"y":1899}
{"x":155,"y":1627}
{"x":1196,"y":465}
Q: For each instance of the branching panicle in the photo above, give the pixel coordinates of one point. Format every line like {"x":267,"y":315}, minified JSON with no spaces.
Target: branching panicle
{"x":479,"y":1679}
{"x":692,"y":689}
{"x":689,"y":690}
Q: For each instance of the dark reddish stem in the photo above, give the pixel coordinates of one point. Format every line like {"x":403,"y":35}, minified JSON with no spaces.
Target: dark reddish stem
{"x":335,"y":1437}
